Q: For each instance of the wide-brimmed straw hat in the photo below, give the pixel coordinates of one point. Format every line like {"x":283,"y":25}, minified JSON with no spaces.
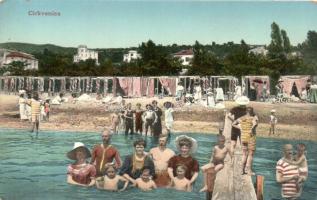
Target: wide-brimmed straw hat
{"x":78,"y":145}
{"x":273,"y":111}
{"x":193,"y":142}
{"x":280,"y":80}
{"x":243,"y":100}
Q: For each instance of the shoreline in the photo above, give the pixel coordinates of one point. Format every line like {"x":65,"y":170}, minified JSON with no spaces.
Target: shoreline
{"x":295,"y":121}
{"x":289,"y":132}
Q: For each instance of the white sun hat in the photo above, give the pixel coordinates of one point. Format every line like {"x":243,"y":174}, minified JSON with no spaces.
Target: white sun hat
{"x":78,"y":145}
{"x":243,"y":100}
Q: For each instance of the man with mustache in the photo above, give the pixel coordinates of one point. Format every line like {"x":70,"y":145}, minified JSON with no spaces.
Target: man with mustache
{"x":161,"y":155}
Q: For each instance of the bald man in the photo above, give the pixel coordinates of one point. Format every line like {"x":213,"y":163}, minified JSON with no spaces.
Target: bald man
{"x":105,"y":154}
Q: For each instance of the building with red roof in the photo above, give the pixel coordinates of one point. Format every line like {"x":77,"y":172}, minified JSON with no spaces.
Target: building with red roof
{"x":9,"y":56}
{"x":185,"y":56}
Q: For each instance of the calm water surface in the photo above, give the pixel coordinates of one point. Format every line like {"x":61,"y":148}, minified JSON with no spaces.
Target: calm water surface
{"x":35,"y":168}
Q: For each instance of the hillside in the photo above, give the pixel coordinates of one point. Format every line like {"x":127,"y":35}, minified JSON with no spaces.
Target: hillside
{"x":37,"y":48}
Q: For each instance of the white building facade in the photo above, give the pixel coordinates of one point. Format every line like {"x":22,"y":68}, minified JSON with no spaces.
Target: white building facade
{"x":259,"y":51}
{"x":9,"y":56}
{"x":83,"y":53}
{"x":131,"y":55}
{"x":185,"y":56}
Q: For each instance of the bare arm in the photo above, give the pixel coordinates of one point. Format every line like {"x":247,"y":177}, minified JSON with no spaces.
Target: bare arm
{"x":154,"y":185}
{"x":170,"y":173}
{"x":231,"y":116}
{"x":188,"y":187}
{"x":212,"y":154}
{"x":194,"y":177}
{"x":129,"y":179}
{"x":254,"y":122}
{"x":236,"y":124}
{"x":71,"y":181}
{"x":92,"y":182}
{"x":126,"y":183}
{"x":100,"y":182}
{"x":296,"y":162}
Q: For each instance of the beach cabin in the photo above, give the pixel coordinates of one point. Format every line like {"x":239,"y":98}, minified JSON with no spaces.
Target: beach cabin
{"x":256,"y":87}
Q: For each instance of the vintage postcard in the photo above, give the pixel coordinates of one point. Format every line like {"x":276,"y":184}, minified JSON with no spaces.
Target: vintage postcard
{"x":158,"y":99}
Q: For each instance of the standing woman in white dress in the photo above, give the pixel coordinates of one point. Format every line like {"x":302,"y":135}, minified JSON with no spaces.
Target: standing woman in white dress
{"x":169,"y":117}
{"x":22,"y":107}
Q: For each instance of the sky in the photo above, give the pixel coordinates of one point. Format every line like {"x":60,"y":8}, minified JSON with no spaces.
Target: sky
{"x":115,"y":24}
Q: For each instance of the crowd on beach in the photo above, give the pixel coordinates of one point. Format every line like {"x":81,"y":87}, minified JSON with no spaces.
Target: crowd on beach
{"x":161,"y":166}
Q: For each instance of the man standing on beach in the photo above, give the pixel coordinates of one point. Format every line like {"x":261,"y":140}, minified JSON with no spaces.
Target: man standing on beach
{"x":104,"y":154}
{"x":288,"y":174}
{"x":35,"y":105}
{"x":161,"y":156}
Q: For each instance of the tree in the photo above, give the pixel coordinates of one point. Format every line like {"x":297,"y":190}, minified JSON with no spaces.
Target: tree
{"x":276,"y":45}
{"x":286,"y":42}
{"x":15,"y":68}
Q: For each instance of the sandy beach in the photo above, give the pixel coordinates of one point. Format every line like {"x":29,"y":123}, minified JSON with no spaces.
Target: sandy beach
{"x":295,"y":120}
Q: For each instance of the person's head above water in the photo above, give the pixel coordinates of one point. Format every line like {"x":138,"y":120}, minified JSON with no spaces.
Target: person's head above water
{"x":106,"y":136}
{"x":288,"y":151}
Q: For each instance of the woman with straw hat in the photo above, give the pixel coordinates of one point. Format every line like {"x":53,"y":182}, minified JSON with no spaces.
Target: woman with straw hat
{"x":186,"y":146}
{"x":80,"y":173}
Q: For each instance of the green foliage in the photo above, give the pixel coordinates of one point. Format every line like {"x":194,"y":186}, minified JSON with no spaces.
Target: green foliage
{"x":286,"y":42}
{"x":15,"y":68}
{"x":216,"y":59}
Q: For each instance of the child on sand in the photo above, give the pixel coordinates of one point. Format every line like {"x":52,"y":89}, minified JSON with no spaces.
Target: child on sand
{"x":180,"y":182}
{"x":111,"y":180}
{"x":115,"y":122}
{"x":217,"y":159}
{"x":273,"y":122}
{"x":47,"y":109}
{"x":145,"y":183}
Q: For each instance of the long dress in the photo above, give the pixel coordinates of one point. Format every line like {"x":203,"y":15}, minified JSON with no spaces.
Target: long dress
{"x":22,"y":108}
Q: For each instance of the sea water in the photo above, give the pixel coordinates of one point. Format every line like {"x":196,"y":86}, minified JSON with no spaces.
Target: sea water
{"x":35,"y":168}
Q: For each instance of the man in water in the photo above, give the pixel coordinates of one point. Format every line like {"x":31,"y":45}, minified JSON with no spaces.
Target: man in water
{"x":157,"y":125}
{"x":161,"y":156}
{"x":104,"y":154}
{"x":288,"y":174}
{"x":149,"y":116}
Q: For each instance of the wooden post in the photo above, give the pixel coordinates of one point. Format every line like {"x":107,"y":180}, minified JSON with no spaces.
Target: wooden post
{"x":210,"y":182}
{"x":259,"y":187}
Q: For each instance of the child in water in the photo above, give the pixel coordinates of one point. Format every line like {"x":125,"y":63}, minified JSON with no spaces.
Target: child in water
{"x":145,"y":183}
{"x":217,"y":159}
{"x":111,"y":180}
{"x":180,"y":182}
{"x":301,"y":162}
